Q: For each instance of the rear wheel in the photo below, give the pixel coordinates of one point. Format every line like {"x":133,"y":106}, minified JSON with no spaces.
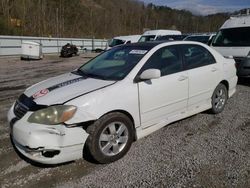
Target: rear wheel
{"x":219,"y":99}
{"x":110,"y":137}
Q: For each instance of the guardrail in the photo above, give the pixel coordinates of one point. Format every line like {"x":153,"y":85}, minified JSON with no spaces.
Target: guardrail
{"x":11,"y":45}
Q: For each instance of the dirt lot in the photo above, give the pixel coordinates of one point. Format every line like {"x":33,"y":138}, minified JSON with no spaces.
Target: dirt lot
{"x":201,"y":151}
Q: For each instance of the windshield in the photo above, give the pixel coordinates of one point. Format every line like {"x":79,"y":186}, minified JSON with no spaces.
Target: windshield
{"x":115,"y":42}
{"x":203,"y":39}
{"x":233,"y":37}
{"x":114,"y":64}
{"x":147,"y":38}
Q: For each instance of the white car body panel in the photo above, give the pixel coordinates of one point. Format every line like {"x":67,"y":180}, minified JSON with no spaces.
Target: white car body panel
{"x":74,"y":88}
{"x":200,"y":93}
{"x":175,"y":90}
{"x":112,"y":98}
{"x":29,"y":138}
{"x":151,"y":104}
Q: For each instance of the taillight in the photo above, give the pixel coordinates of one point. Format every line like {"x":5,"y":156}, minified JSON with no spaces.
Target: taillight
{"x":236,"y":65}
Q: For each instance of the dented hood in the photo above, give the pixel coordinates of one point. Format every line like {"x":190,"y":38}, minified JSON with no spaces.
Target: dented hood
{"x":62,"y":88}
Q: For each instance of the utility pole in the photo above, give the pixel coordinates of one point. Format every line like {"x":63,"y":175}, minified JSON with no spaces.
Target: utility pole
{"x":57,"y":22}
{"x":23,"y":18}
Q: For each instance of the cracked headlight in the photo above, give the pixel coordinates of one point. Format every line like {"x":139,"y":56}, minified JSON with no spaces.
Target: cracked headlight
{"x":53,"y":115}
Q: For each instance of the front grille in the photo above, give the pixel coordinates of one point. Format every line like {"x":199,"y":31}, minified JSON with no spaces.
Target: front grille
{"x":25,"y":104}
{"x":20,"y":109}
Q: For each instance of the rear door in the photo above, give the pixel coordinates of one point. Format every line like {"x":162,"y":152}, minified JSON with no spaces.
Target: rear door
{"x":204,"y":76}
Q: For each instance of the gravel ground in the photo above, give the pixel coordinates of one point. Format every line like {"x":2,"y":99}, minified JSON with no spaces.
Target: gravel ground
{"x":204,"y":150}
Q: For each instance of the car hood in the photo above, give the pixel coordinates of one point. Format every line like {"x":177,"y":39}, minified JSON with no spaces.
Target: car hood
{"x":58,"y":90}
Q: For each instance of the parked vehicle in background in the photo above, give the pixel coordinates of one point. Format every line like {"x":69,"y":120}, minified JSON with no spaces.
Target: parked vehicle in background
{"x":152,"y":35}
{"x":123,"y":40}
{"x":171,"y":37}
{"x":198,"y":38}
{"x":120,"y":96}
{"x":211,"y":38}
{"x":233,"y":39}
{"x":69,"y":50}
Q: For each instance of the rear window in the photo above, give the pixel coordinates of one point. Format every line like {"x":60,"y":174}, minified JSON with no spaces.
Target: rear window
{"x":233,"y":37}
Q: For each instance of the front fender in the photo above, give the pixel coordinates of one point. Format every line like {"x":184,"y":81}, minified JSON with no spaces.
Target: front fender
{"x":120,"y":96}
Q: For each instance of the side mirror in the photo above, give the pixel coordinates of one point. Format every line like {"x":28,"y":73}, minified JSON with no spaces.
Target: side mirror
{"x":150,"y":74}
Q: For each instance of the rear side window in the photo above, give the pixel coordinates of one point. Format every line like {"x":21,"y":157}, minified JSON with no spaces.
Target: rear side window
{"x":167,"y":59}
{"x":196,"y":56}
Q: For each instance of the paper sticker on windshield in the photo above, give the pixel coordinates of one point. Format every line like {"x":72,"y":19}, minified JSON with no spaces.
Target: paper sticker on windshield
{"x":139,"y":52}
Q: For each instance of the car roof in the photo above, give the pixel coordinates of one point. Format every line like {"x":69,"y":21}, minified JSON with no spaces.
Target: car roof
{"x":151,"y":44}
{"x":189,"y":36}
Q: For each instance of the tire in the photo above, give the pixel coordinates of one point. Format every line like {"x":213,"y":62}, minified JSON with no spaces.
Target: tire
{"x":219,"y":99}
{"x":110,"y":137}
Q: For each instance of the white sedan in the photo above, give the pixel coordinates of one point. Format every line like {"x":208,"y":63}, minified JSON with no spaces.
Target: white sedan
{"x":120,"y":96}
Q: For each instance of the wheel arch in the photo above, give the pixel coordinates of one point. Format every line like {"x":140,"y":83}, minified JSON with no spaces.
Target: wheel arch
{"x":123,"y":112}
{"x":118,"y":110}
{"x":226,"y":83}
{"x":214,"y":109}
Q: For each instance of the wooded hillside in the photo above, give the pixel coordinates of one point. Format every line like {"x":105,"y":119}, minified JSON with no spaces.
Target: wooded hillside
{"x":97,"y":18}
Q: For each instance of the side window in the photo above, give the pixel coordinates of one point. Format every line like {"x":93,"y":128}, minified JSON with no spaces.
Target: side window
{"x":197,"y":56}
{"x":167,"y":60}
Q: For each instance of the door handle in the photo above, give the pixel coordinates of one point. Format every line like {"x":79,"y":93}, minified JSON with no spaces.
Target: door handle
{"x":181,"y":78}
{"x":214,"y":69}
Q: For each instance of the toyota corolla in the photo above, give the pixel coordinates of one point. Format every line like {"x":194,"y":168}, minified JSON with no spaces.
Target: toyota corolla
{"x":120,"y":96}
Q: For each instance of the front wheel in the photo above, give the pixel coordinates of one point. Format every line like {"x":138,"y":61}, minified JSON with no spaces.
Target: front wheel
{"x":219,"y":99}
{"x":110,"y":137}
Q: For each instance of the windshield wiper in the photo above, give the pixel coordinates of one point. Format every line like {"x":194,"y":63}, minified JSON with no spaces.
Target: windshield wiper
{"x":97,"y":76}
{"x":79,"y":71}
{"x":83,"y":73}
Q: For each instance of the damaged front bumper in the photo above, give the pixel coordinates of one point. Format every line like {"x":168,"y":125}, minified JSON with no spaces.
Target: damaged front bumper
{"x":47,"y":144}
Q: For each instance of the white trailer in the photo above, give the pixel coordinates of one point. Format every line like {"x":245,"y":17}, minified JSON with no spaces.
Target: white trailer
{"x":31,"y":50}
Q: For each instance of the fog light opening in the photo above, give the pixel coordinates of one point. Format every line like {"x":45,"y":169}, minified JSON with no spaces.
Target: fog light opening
{"x":50,"y":154}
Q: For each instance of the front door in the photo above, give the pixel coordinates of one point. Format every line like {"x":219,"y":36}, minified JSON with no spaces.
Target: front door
{"x":162,"y":99}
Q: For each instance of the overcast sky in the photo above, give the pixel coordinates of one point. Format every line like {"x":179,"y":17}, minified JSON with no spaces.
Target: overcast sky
{"x":203,"y":7}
